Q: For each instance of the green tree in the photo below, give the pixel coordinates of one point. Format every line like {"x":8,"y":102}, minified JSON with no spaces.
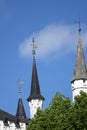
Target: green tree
{"x":62,"y":114}
{"x":79,"y":108}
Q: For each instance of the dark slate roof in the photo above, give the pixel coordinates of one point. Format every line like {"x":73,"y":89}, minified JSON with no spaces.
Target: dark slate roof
{"x":80,"y":71}
{"x":35,"y":88}
{"x":20,"y":114}
{"x":5,"y":115}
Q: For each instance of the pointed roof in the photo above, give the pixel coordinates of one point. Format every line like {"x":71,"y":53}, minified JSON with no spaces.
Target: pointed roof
{"x":20,"y":114}
{"x":80,"y":71}
{"x":35,"y":88}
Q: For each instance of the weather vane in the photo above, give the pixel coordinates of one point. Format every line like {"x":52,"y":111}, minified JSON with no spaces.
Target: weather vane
{"x":34,"y":46}
{"x":20,"y":83}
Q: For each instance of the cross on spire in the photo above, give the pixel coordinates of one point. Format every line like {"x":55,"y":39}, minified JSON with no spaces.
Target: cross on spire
{"x":20,"y":83}
{"x":34,"y":46}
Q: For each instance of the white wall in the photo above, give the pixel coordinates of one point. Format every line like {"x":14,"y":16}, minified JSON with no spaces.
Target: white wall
{"x":77,"y":86}
{"x":34,"y":105}
{"x":12,"y":126}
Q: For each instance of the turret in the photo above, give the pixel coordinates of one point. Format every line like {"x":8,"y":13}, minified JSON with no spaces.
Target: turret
{"x":35,"y":98}
{"x":20,"y":114}
{"x":79,"y":79}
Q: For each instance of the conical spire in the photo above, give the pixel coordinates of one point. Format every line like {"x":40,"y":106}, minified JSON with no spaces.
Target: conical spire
{"x":20,"y":114}
{"x":80,"y":71}
{"x":35,"y":88}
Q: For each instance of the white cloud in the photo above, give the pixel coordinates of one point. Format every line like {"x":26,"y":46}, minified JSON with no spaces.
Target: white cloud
{"x":52,"y":40}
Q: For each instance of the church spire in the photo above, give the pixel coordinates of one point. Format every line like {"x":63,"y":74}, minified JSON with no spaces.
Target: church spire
{"x":20,"y":114}
{"x":35,"y":87}
{"x":79,"y":79}
{"x":35,"y":98}
{"x":80,"y":71}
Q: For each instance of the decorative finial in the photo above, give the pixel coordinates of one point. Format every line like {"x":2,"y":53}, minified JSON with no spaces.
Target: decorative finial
{"x":79,"y":25}
{"x":20,"y":83}
{"x":34,"y":46}
{"x":78,"y":22}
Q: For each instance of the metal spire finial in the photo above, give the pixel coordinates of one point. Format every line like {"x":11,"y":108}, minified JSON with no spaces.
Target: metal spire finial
{"x":20,"y":83}
{"x":34,"y":46}
{"x":79,"y":25}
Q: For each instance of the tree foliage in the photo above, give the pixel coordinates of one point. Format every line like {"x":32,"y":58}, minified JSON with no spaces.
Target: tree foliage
{"x":62,"y":114}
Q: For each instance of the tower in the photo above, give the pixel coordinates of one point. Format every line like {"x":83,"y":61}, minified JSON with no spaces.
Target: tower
{"x":79,"y":79}
{"x":35,"y":99}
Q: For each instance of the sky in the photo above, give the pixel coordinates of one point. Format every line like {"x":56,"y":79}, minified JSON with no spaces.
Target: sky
{"x":54,"y":25}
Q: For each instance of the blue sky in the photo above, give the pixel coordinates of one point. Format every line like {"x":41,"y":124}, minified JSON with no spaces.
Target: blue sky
{"x":52,"y":23}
